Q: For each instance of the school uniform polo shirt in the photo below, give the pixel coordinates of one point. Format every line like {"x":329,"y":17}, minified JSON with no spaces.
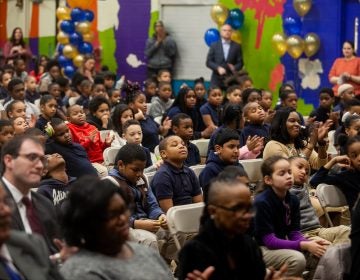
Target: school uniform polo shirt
{"x":193,"y":157}
{"x":208,"y":109}
{"x":181,"y":185}
{"x":150,"y":130}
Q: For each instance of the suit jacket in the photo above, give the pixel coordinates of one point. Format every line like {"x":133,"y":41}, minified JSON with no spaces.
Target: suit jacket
{"x":31,"y":257}
{"x":45,"y":211}
{"x":215,"y":58}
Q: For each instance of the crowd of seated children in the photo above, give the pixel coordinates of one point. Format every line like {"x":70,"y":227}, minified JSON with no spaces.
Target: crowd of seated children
{"x":250,"y":95}
{"x":233,"y":95}
{"x":99,"y":113}
{"x":55,"y":91}
{"x":75,"y":156}
{"x":185,"y":102}
{"x":85,"y":87}
{"x":182,"y":126}
{"x":174,"y":183}
{"x":121,"y":114}
{"x":350,"y":128}
{"x":89,"y":137}
{"x":147,"y":220}
{"x":151,"y":130}
{"x":52,"y":72}
{"x":162,"y":102}
{"x":226,"y":152}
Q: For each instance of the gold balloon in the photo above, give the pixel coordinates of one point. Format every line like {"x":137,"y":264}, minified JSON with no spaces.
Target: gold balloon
{"x":63,"y":13}
{"x":295,"y":46}
{"x":69,"y":51}
{"x":78,"y":60}
{"x":62,"y":38}
{"x":236,"y":36}
{"x":219,"y":13}
{"x":88,"y":37}
{"x":83,"y":27}
{"x":279,"y":43}
{"x":58,"y":24}
{"x":302,"y":7}
{"x":312,"y":44}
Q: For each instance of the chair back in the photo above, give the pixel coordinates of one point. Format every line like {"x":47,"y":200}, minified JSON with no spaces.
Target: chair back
{"x":202,"y":145}
{"x":109,"y":155}
{"x":253,"y":169}
{"x":197,"y":169}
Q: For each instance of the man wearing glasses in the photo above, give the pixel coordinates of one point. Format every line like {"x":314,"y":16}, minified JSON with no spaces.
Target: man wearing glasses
{"x":22,"y":165}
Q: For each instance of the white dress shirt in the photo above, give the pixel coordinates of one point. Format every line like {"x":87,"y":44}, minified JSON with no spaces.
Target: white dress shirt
{"x":226,"y":48}
{"x":17,"y":195}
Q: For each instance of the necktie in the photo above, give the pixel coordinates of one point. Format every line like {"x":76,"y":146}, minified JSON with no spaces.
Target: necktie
{"x":32,"y":217}
{"x":10,"y":272}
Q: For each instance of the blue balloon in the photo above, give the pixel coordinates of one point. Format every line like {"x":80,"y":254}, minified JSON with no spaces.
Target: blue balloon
{"x":63,"y":61}
{"x":85,"y":48}
{"x":67,"y":26}
{"x":77,"y":15}
{"x":211,"y":35}
{"x":60,"y":49}
{"x":75,"y":39}
{"x":89,"y":15}
{"x":69,"y":71}
{"x":292,"y":26}
{"x":235,"y":18}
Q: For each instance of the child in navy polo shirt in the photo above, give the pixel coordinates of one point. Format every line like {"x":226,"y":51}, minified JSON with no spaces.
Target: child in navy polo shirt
{"x":226,"y":153}
{"x":182,"y":126}
{"x":210,"y":110}
{"x":75,"y":156}
{"x":174,"y":183}
{"x":136,"y":100}
{"x":254,"y":116}
{"x":147,"y":220}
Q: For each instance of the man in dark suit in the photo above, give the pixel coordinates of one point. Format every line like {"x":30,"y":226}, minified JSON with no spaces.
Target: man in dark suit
{"x":23,"y":163}
{"x":224,"y":57}
{"x":22,"y":256}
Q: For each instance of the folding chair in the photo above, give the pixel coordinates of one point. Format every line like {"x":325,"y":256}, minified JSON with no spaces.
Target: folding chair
{"x":202,"y":145}
{"x":149,"y":176}
{"x":109,"y":155}
{"x":158,"y":119}
{"x":197,"y":169}
{"x":253,"y":169}
{"x":184,"y":219}
{"x":157,"y":152}
{"x":330,"y":196}
{"x":331,"y":148}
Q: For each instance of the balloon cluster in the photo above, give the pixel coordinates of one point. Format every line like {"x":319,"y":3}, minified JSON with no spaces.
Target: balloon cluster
{"x":74,"y":37}
{"x":222,"y":15}
{"x":294,"y":44}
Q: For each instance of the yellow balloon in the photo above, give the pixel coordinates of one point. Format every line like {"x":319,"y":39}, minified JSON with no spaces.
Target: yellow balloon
{"x":62,"y":38}
{"x":83,"y":4}
{"x":88,"y":37}
{"x":78,"y":60}
{"x":295,"y":46}
{"x":69,"y":51}
{"x":312,"y":44}
{"x":63,"y":13}
{"x":58,"y":24}
{"x":219,"y":13}
{"x":83,"y":27}
{"x":279,"y":43}
{"x":302,"y":7}
{"x":236,"y":36}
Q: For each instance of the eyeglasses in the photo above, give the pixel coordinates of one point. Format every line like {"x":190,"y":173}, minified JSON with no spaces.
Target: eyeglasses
{"x":35,"y":158}
{"x":239,"y":208}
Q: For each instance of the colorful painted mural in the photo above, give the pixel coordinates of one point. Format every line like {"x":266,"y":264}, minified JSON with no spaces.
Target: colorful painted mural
{"x":121,"y":28}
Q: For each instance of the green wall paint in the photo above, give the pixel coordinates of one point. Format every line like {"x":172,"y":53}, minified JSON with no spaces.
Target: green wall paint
{"x":107,"y":41}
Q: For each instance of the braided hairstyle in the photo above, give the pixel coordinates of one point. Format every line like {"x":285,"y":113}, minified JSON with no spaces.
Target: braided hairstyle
{"x":132,"y":90}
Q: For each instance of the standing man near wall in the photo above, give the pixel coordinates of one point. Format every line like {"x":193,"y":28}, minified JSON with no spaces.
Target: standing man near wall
{"x":224,"y":57}
{"x":160,"y":51}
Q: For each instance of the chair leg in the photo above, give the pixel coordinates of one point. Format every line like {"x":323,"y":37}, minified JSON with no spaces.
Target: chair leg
{"x":328,"y":217}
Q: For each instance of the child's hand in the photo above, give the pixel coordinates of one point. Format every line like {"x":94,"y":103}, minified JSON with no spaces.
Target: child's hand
{"x":166,"y":124}
{"x":324,"y":129}
{"x":342,"y":161}
{"x":32,"y":120}
{"x":252,"y":142}
{"x":270,"y":115}
{"x":105,"y":120}
{"x":109,"y":138}
{"x":139,"y":116}
{"x":310,"y":121}
{"x":314,"y":247}
{"x":259,"y":145}
{"x":92,"y":135}
{"x":149,"y":225}
{"x":163,"y":221}
{"x":206,"y":133}
{"x":158,"y":164}
{"x":334,"y":116}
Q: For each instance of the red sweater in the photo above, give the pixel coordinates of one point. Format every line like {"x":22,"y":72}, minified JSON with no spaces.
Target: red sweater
{"x":80,"y":134}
